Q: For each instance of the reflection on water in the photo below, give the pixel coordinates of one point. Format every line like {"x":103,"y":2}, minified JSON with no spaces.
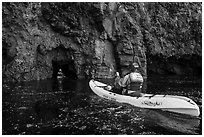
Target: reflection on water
{"x":69,"y":107}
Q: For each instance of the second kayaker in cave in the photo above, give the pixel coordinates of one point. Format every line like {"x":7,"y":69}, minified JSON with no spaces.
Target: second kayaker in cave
{"x":132,"y":81}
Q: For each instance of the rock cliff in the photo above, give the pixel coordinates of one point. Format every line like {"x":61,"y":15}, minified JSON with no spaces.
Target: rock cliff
{"x":97,"y":39}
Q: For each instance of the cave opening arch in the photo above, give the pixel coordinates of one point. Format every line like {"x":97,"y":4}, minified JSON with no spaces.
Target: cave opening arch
{"x":63,"y":60}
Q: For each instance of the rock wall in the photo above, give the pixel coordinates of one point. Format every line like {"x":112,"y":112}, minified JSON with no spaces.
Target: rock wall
{"x":174,"y":38}
{"x":28,"y":43}
{"x":97,"y":39}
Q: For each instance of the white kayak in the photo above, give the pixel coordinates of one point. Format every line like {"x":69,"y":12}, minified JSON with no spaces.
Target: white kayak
{"x":177,"y":104}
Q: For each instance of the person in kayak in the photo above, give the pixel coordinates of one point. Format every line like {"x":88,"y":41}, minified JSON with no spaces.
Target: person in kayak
{"x":132,"y":81}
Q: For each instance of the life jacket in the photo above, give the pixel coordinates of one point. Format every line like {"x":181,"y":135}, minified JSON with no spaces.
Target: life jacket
{"x":136,"y":77}
{"x":136,"y":81}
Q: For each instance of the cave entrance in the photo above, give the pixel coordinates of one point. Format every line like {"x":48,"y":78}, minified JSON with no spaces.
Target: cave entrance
{"x":63,"y":63}
{"x":68,"y":69}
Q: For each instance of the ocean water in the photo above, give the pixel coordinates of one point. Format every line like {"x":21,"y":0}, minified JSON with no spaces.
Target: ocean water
{"x":69,"y":107}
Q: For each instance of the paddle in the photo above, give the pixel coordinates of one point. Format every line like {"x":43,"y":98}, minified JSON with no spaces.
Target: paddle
{"x":106,"y":87}
{"x":109,"y":88}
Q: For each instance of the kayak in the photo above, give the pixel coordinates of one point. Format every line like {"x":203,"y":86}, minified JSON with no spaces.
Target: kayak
{"x":176,"y":104}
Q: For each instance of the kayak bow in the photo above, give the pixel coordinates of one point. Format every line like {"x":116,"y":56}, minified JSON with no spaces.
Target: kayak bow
{"x":177,"y":104}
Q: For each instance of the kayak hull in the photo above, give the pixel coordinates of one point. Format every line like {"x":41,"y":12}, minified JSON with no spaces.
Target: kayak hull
{"x":177,"y":104}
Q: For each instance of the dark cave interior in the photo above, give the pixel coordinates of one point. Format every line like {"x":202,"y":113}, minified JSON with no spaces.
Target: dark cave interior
{"x":185,"y":65}
{"x":63,"y":59}
{"x":68,"y":69}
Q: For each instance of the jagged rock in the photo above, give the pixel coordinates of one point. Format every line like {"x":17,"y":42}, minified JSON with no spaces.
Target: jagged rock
{"x":97,"y":39}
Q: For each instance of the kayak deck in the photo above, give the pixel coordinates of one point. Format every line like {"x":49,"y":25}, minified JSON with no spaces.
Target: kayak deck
{"x":177,"y":104}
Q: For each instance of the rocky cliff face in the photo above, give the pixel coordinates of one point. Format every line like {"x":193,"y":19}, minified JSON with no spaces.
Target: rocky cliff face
{"x":97,"y":39}
{"x":174,"y":38}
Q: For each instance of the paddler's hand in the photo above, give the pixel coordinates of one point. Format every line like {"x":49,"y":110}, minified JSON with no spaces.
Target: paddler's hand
{"x":117,"y":74}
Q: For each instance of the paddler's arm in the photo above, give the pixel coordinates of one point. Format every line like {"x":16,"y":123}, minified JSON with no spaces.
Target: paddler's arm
{"x":117,"y":78}
{"x":124,"y":81}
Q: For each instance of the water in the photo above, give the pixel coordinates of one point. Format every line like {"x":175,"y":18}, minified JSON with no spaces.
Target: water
{"x":70,"y":107}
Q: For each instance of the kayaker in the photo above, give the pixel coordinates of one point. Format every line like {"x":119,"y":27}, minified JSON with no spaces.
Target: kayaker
{"x":132,"y":81}
{"x":60,"y":74}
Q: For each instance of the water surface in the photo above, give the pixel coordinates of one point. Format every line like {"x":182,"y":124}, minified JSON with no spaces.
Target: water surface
{"x":70,"y":107}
